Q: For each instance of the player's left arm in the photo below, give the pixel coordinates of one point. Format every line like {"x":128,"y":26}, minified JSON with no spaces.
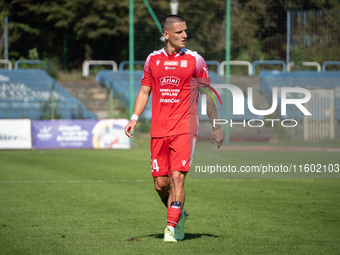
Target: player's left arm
{"x":217,"y":134}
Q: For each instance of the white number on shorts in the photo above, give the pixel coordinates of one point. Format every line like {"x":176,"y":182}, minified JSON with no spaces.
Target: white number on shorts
{"x":154,"y":165}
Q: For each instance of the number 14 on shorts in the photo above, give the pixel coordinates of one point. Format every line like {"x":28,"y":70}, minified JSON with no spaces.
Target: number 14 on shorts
{"x":154,"y":165}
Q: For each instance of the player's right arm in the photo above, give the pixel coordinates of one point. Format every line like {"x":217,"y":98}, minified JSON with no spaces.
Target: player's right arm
{"x":140,"y":104}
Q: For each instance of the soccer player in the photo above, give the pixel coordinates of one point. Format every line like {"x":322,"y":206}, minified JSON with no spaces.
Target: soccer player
{"x":167,"y":73}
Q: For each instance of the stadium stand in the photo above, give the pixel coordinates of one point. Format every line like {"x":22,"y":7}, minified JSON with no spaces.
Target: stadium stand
{"x":303,"y":79}
{"x":24,"y":91}
{"x":120,"y":82}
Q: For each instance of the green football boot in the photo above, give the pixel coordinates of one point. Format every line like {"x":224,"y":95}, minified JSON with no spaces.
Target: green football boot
{"x":179,"y":229}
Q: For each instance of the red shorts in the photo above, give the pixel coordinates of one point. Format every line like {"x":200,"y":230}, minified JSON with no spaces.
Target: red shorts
{"x":172,"y":153}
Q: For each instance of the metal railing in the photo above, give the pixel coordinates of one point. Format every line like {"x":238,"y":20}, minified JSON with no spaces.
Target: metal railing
{"x":220,"y":66}
{"x":8,"y":62}
{"x":236,"y":63}
{"x":328,"y":63}
{"x":291,"y":64}
{"x":251,"y":66}
{"x":87,"y":63}
{"x":214,"y":63}
{"x":269,"y":62}
{"x":30,"y":62}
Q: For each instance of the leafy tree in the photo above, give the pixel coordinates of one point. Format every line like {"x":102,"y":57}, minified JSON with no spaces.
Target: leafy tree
{"x":99,"y":29}
{"x":17,"y":24}
{"x":88,"y":26}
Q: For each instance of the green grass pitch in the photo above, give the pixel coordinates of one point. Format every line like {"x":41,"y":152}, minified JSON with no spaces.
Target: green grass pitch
{"x":94,"y":201}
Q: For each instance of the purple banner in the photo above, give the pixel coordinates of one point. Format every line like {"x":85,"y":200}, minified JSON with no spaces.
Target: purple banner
{"x":82,"y":134}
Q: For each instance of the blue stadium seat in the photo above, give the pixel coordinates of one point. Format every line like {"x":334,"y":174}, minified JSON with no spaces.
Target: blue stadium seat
{"x":22,"y":93}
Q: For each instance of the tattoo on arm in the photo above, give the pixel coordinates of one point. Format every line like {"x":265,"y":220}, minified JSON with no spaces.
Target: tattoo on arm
{"x":212,"y":112}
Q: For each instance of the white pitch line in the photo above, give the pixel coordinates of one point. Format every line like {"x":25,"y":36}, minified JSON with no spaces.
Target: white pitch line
{"x":138,"y":181}
{"x":68,"y":181}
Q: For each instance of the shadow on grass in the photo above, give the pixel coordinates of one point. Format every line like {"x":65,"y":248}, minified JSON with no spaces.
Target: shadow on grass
{"x":188,"y":236}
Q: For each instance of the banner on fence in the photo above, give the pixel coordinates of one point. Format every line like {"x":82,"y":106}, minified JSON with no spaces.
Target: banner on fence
{"x":80,"y":134}
{"x":15,"y":134}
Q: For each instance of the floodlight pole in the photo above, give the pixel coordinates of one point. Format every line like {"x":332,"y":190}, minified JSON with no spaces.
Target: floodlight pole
{"x":288,"y":38}
{"x":6,"y":39}
{"x":52,"y":102}
{"x":131,"y":55}
{"x":111,"y":101}
{"x":65,"y":52}
{"x":227,"y":72}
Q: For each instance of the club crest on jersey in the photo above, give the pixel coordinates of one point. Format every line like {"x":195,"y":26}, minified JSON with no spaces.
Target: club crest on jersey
{"x":169,"y":80}
{"x":170,"y":63}
{"x":184,"y":63}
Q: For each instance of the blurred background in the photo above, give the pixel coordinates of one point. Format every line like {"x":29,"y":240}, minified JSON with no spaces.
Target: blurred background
{"x":53,"y":49}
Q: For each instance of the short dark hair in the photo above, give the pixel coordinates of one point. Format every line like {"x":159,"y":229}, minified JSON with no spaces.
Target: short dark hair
{"x":169,"y":20}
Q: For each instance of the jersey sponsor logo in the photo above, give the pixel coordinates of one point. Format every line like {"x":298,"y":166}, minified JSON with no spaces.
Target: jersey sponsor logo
{"x":169,"y":101}
{"x":157,"y":62}
{"x":171,"y":63}
{"x":184,"y":63}
{"x":169,"y":80}
{"x":170,"y":68}
{"x":169,"y":92}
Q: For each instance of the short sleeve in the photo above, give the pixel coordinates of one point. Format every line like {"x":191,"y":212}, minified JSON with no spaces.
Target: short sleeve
{"x":201,"y":67}
{"x":146,"y":74}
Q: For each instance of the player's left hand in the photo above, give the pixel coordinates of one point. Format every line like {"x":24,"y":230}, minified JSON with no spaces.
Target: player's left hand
{"x":129,"y":128}
{"x":218,"y":136}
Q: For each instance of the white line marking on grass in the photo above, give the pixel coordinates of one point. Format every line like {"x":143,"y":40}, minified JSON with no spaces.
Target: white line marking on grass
{"x":190,"y":179}
{"x":68,"y":181}
{"x":272,"y":148}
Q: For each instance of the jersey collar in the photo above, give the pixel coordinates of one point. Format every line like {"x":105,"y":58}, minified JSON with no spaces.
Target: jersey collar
{"x":178,"y":54}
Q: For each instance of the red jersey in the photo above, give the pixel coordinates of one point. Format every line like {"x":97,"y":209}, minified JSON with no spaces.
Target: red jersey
{"x":172,"y":95}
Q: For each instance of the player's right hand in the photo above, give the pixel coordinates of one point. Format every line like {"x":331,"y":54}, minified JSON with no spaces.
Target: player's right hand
{"x":129,"y":128}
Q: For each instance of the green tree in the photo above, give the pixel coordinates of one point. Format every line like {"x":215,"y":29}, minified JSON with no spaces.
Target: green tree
{"x":16,"y":14}
{"x":85,"y":24}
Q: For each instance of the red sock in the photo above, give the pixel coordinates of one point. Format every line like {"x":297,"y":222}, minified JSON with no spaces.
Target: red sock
{"x":173,"y":216}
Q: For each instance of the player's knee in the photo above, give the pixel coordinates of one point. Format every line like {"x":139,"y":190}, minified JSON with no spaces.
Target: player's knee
{"x":177,"y":180}
{"x":161,"y":185}
{"x":158,"y":187}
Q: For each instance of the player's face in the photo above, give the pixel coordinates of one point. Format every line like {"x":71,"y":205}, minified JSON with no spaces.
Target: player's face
{"x":176,"y":36}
